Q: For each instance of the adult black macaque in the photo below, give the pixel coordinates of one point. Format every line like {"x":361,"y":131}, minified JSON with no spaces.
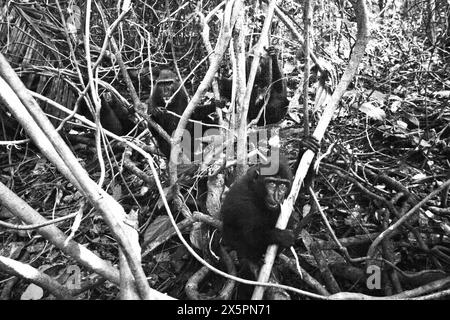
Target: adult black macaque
{"x":165,"y":87}
{"x":273,"y":88}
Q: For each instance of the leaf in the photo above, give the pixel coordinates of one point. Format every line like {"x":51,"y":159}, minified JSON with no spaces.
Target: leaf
{"x":12,"y":250}
{"x":305,"y":210}
{"x":378,"y":96}
{"x":372,"y":111}
{"x":162,"y":257}
{"x":402,"y":125}
{"x":32,"y":292}
{"x":196,"y":235}
{"x":75,"y":227}
{"x":307,"y":239}
{"x":418,"y":177}
{"x":414,"y":121}
{"x":385,"y":127}
{"x":332,"y":257}
{"x":395,"y":106}
{"x":40,"y":167}
{"x":422,"y":142}
{"x":288,"y":67}
{"x":157,"y":227}
{"x":117,"y":191}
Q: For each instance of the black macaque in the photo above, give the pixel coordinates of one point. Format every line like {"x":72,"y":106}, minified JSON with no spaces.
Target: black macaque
{"x":252,"y":206}
{"x":165,"y":87}
{"x":114,"y":116}
{"x":251,"y":209}
{"x":274,"y":88}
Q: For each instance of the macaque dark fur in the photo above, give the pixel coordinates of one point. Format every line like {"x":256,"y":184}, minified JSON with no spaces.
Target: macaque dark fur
{"x":251,"y":208}
{"x":277,"y":106}
{"x":114,"y":116}
{"x":166,"y":85}
{"x":248,"y":221}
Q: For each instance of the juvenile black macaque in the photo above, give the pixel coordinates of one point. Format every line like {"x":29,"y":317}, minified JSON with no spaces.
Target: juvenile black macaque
{"x":251,"y":209}
{"x":165,"y":87}
{"x":253,"y":203}
{"x":264,"y":86}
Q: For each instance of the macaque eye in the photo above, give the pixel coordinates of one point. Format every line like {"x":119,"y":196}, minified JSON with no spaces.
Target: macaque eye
{"x":271,"y":185}
{"x":283,"y":187}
